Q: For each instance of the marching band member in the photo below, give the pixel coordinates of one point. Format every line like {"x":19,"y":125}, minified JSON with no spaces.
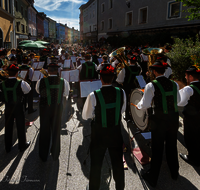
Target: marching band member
{"x":44,"y":58}
{"x":31,"y":55}
{"x":127,"y":77}
{"x":13,"y":90}
{"x":51,"y":90}
{"x":25,"y":66}
{"x":2,"y":55}
{"x":95,"y":57}
{"x":81,"y":58}
{"x":88,"y":70}
{"x":164,"y":122}
{"x":190,"y":99}
{"x":105,"y":128}
{"x":13,"y":60}
{"x":13,"y":53}
{"x":168,"y":71}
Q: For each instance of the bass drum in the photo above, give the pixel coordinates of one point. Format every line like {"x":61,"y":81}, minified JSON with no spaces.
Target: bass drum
{"x":140,"y":117}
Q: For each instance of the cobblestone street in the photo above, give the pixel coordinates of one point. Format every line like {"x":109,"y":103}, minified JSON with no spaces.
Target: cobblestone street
{"x":25,"y":171}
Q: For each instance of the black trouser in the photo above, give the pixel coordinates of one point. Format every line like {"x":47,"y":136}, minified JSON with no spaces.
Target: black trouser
{"x":14,"y":111}
{"x":50,"y":126}
{"x":164,"y":133}
{"x":191,"y":137}
{"x":97,"y":153}
{"x":30,"y":98}
{"x":127,"y":112}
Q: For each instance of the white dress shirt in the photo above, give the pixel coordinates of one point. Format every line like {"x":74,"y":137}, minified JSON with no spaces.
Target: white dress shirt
{"x":147,"y":98}
{"x":185,"y":94}
{"x":24,"y":86}
{"x":90,"y":103}
{"x":168,"y":72}
{"x":66,"y":86}
{"x":122,"y":74}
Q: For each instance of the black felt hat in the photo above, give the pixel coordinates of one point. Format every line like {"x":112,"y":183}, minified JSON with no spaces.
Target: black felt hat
{"x":106,"y":69}
{"x":13,"y":58}
{"x":158,"y":64}
{"x":193,"y":70}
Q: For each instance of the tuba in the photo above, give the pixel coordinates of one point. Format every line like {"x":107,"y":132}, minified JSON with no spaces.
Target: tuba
{"x":44,"y":72}
{"x":119,"y":54}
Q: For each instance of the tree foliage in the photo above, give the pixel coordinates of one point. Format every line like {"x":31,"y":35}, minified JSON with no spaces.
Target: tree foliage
{"x":193,"y":8}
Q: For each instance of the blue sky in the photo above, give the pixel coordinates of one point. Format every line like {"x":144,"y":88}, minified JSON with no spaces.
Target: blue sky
{"x":63,"y":11}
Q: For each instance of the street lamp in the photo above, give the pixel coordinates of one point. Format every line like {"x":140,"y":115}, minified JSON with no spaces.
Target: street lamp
{"x":128,"y":3}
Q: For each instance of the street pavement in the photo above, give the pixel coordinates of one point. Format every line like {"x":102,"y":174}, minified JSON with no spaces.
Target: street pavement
{"x":25,"y":171}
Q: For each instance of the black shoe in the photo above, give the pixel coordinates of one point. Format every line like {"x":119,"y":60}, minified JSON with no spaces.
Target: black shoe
{"x":32,"y":111}
{"x":188,"y":160}
{"x":27,"y":144}
{"x":147,"y":177}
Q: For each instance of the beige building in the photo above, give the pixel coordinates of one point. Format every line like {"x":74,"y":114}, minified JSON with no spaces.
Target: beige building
{"x":6,"y":24}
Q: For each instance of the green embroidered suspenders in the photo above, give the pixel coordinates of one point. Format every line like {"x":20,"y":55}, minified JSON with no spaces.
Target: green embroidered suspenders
{"x":164,"y":94}
{"x":104,"y":107}
{"x":10,"y":89}
{"x":48,"y":87}
{"x":89,"y":67}
{"x":131,"y":73}
{"x":195,"y":88}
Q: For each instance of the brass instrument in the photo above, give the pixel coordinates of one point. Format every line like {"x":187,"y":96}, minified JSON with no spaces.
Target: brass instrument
{"x":119,"y":54}
{"x":3,"y":75}
{"x":44,"y":72}
{"x":152,"y":54}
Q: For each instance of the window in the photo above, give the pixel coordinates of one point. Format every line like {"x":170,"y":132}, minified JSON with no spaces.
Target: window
{"x":0,"y":6}
{"x":16,"y":5}
{"x":25,"y":14}
{"x":18,"y":24}
{"x":143,"y":16}
{"x":6,"y":5}
{"x":94,"y":27}
{"x":22,"y":11}
{"x":110,"y":4}
{"x":90,"y":28}
{"x":102,"y":7}
{"x":10,"y":6}
{"x":102,"y":25}
{"x":174,"y":9}
{"x":22,"y":28}
{"x":129,"y":19}
{"x":110,"y":23}
{"x":29,"y":14}
{"x":93,"y":13}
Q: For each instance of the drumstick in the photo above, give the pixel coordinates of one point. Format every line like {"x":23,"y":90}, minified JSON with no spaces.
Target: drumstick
{"x":135,"y":106}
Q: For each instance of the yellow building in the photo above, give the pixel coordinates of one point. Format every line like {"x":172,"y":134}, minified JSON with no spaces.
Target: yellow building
{"x":6,"y":24}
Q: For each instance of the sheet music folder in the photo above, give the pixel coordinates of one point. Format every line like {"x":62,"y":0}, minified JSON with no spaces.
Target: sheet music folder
{"x":141,"y":81}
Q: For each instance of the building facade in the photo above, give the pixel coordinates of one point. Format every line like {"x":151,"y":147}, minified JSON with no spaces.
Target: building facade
{"x":90,"y":19}
{"x":123,"y":18}
{"x":60,"y":32}
{"x":81,"y":24}
{"x":40,"y":26}
{"x":52,"y":30}
{"x":66,"y":34}
{"x":6,"y":24}
{"x":46,"y":29}
{"x":21,"y":20}
{"x":32,"y":25}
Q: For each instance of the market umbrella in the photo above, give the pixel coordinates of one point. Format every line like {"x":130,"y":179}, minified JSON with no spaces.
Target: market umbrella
{"x":32,"y":46}
{"x":43,"y":43}
{"x":25,"y":41}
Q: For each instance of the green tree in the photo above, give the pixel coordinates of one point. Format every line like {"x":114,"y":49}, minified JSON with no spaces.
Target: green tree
{"x":193,"y":8}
